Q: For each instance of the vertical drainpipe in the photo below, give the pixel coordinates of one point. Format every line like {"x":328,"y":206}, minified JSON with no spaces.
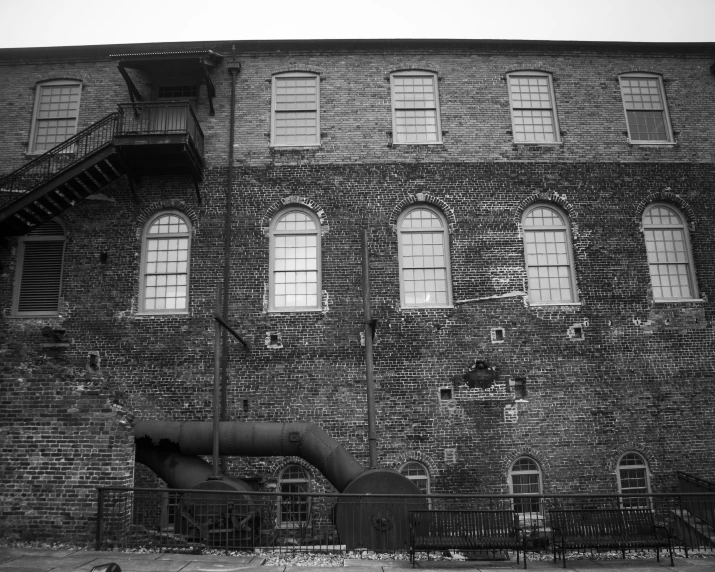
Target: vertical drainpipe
{"x":234,"y":67}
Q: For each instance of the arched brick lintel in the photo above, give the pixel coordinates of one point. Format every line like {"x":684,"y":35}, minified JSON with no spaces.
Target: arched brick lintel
{"x":425,"y":198}
{"x":294,"y":200}
{"x":170,"y":204}
{"x":665,"y":197}
{"x":545,"y":196}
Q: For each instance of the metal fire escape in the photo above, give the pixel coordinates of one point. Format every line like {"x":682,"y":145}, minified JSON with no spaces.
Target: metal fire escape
{"x":152,"y":138}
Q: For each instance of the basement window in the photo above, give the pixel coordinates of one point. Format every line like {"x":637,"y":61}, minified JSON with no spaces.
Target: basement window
{"x":294,"y":508}
{"x":38,"y":278}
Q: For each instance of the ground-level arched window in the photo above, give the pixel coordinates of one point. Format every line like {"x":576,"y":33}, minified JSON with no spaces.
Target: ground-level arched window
{"x":549,"y":255}
{"x":418,"y":474}
{"x":423,"y":250}
{"x":293,"y":509}
{"x":165,"y":264}
{"x":525,"y":479}
{"x":38,"y":278}
{"x":669,"y":256}
{"x":295,"y":277}
{"x":633,"y":478}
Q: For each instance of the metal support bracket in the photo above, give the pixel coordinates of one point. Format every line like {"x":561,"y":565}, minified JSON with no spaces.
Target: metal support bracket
{"x":210,"y":89}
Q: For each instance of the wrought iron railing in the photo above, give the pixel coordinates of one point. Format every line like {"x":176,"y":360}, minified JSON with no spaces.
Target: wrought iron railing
{"x":704,"y":509}
{"x":57,"y":159}
{"x":161,"y":118}
{"x":190,"y":520}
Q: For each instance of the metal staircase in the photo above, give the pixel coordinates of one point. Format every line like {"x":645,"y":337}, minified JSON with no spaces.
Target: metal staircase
{"x":56,"y":180}
{"x":152,"y":138}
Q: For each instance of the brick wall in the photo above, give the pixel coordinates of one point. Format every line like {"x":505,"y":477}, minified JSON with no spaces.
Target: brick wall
{"x":639,"y":379}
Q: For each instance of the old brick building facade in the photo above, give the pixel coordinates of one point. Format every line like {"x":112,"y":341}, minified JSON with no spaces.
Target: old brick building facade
{"x":541,"y":207}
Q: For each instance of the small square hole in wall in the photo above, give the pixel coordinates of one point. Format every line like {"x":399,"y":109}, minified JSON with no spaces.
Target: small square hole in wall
{"x":445,"y":393}
{"x":498,"y":335}
{"x":274,"y":340}
{"x":576,"y":332}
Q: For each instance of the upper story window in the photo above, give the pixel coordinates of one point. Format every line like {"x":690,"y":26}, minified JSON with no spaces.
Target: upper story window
{"x":38,"y":277}
{"x":55,"y":115}
{"x":415,"y":107}
{"x":646,"y":109}
{"x":165,"y":265}
{"x":296,"y":110}
{"x":633,"y":478}
{"x":549,"y":260}
{"x":525,"y":479}
{"x":295,"y":275}
{"x":294,"y":508}
{"x":533,"y":107}
{"x":423,"y":251}
{"x":669,"y":258}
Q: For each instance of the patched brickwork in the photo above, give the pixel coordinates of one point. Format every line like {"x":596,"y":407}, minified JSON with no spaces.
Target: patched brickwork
{"x":639,"y":377}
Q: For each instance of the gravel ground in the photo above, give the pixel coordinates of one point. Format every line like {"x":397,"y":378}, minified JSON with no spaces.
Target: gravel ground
{"x":290,"y":558}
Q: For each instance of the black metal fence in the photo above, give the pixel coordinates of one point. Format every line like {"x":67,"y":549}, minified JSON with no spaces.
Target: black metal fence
{"x":171,"y":519}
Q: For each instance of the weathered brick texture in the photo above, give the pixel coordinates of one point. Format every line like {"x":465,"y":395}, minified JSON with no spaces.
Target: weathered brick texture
{"x":639,"y":379}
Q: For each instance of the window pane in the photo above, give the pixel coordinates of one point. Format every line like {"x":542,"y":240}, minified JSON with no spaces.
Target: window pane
{"x":530,"y":92}
{"x":533,"y":125}
{"x":647,"y":125}
{"x":296,"y":93}
{"x":296,"y":127}
{"x":166,"y":267}
{"x":414,"y":92}
{"x":416,"y":126}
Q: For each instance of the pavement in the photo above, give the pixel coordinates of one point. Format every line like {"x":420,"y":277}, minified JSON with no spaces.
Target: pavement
{"x":40,"y":560}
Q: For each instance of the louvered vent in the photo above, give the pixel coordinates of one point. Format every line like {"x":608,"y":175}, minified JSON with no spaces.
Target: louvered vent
{"x":41,"y":275}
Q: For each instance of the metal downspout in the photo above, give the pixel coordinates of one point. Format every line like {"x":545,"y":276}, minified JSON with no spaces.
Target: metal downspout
{"x":234,"y":68}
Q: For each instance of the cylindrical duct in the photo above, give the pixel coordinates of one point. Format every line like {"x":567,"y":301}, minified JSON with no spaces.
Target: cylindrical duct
{"x":305,"y":440}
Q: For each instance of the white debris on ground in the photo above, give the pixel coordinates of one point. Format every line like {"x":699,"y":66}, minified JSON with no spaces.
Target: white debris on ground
{"x":292,"y":557}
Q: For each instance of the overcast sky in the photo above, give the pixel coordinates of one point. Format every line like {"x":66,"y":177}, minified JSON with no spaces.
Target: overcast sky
{"x":27,"y":23}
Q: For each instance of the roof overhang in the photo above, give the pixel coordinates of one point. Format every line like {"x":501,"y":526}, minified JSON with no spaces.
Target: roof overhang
{"x":195,"y":64}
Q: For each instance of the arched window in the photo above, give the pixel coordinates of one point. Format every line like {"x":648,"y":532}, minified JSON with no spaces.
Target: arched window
{"x":423,"y":249}
{"x":633,"y":478}
{"x":669,"y":258}
{"x":418,"y":474}
{"x":38,"y":278}
{"x":525,"y":479}
{"x":295,"y":278}
{"x":294,"y":508}
{"x":165,"y":265}
{"x":549,"y":259}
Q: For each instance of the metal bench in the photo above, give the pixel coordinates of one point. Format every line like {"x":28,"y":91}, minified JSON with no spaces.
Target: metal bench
{"x":432,"y":530}
{"x":612,"y":529}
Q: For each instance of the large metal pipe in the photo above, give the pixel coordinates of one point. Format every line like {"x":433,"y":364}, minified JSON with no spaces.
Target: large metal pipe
{"x":304,"y":440}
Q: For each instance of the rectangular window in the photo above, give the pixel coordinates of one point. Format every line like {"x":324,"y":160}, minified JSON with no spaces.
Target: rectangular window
{"x":533,"y":111}
{"x":296,"y":110}
{"x":646,"y":112}
{"x":415,"y":108}
{"x":55,"y":115}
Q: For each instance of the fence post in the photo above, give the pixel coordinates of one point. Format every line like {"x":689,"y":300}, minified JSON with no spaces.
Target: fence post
{"x":100,"y":518}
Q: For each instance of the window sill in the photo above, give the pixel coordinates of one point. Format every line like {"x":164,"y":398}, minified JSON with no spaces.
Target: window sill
{"x":542,"y":304}
{"x":426,"y":307}
{"x":540,"y":143}
{"x":653,"y":143}
{"x":160,"y":314}
{"x":33,"y":316}
{"x":677,"y":300}
{"x":294,"y":310}
{"x":295,"y":147}
{"x":407,"y":143}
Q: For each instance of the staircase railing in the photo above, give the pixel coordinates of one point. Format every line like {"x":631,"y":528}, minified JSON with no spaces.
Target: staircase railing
{"x":702,"y":507}
{"x":58,"y":158}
